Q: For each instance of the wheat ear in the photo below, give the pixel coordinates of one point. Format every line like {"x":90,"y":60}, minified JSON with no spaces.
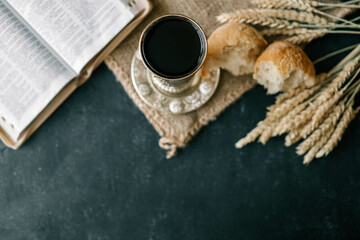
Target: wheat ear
{"x":289,"y":94}
{"x":257,"y":20}
{"x":287,"y":4}
{"x":280,"y":110}
{"x":310,"y":155}
{"x":348,"y":115}
{"x":293,"y":15}
{"x":343,"y":75}
{"x":286,"y":122}
{"x":293,"y":136}
{"x":251,"y":136}
{"x":320,"y":113}
{"x":306,"y":37}
{"x":304,"y":5}
{"x":325,"y":126}
{"x":267,"y":133}
{"x":290,"y":32}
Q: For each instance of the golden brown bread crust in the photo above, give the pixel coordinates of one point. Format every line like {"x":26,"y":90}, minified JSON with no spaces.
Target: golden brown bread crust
{"x":231,"y":35}
{"x":286,"y":57}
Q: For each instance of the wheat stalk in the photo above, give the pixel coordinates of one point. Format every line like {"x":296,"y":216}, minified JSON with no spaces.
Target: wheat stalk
{"x":345,"y":60}
{"x":318,"y":114}
{"x":334,"y":53}
{"x":344,"y":5}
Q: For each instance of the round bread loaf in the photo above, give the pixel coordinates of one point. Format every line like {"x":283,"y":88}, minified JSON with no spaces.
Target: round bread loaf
{"x":283,"y":66}
{"x":234,"y":47}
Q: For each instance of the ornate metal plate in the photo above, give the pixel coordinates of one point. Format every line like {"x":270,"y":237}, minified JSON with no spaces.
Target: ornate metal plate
{"x":187,"y":102}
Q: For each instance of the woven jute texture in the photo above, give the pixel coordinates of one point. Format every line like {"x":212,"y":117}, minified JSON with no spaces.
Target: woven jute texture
{"x":177,"y":130}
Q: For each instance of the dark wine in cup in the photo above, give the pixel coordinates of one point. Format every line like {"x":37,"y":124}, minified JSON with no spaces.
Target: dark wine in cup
{"x":173,"y":47}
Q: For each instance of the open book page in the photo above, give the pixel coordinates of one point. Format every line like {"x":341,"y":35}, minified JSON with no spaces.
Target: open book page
{"x":76,"y":29}
{"x":30,"y":75}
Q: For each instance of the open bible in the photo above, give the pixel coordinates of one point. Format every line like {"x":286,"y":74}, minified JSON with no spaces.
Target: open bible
{"x":48,"y":48}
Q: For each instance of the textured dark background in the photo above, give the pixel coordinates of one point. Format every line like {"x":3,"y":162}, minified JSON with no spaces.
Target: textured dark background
{"x":94,"y":171}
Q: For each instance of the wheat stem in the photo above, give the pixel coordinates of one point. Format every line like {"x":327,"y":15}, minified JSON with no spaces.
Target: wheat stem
{"x":342,"y":32}
{"x":350,"y":56}
{"x":329,"y":55}
{"x":352,"y":87}
{"x":344,"y":5}
{"x":339,"y":5}
{"x":355,"y":19}
{"x":337,"y":18}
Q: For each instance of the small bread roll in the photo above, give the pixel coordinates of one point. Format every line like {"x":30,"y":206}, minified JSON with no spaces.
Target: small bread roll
{"x":234,"y":47}
{"x":283,"y":66}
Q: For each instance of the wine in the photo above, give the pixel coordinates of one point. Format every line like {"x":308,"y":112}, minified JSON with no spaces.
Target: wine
{"x":173,"y":47}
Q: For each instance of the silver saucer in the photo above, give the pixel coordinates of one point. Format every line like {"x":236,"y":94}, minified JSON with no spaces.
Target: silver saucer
{"x":187,"y":102}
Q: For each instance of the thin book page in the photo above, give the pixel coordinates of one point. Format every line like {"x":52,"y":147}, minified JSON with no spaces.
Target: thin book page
{"x":76,"y":29}
{"x":30,"y":75}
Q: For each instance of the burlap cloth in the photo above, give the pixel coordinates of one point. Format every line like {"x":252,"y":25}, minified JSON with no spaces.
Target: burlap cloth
{"x":177,"y":130}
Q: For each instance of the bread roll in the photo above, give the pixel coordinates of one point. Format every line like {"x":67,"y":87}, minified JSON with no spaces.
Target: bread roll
{"x":234,"y":47}
{"x":283,"y":66}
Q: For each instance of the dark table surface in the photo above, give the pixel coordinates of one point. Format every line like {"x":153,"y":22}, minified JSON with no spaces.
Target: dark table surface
{"x":94,"y":171}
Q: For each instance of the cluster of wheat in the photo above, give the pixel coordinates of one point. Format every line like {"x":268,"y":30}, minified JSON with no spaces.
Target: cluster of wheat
{"x":319,"y":115}
{"x":302,"y":20}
